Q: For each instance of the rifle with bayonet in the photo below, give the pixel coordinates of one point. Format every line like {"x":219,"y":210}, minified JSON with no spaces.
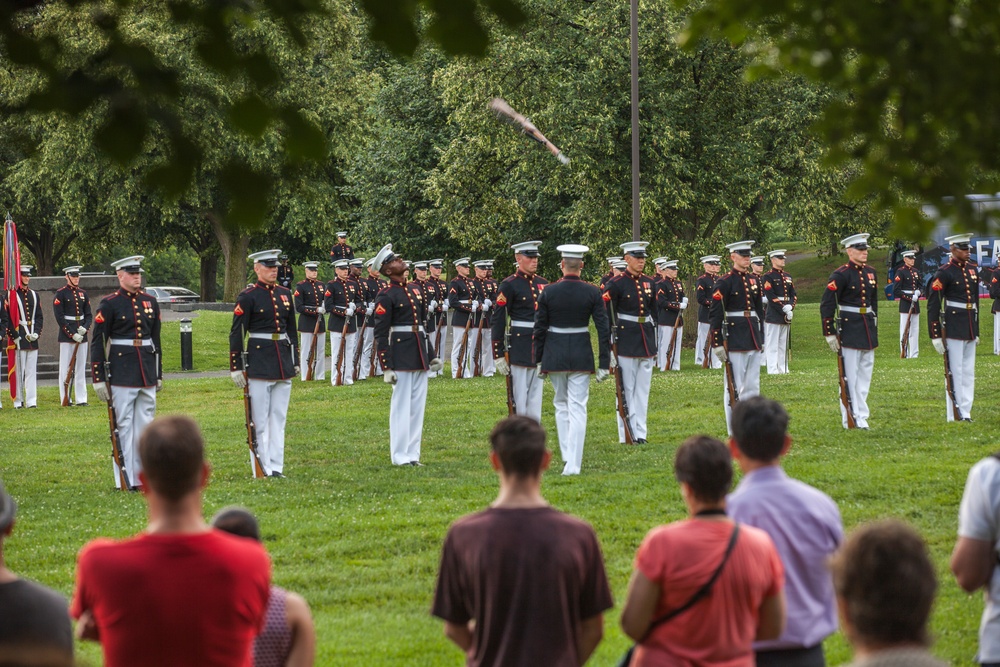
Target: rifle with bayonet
{"x":734,"y":396}
{"x":258,"y":467}
{"x":511,"y":405}
{"x":623,"y":411}
{"x":341,"y":361}
{"x":678,"y":323}
{"x":359,"y":347}
{"x":117,"y":455}
{"x":464,"y":348}
{"x":949,"y":381}
{"x":70,"y":376}
{"x":845,"y":392}
{"x":904,"y":343}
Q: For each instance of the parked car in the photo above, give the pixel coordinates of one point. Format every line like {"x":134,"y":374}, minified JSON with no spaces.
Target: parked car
{"x":173,"y":294}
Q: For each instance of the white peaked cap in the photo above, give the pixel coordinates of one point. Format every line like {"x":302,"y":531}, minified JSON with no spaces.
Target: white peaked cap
{"x":572,"y":250}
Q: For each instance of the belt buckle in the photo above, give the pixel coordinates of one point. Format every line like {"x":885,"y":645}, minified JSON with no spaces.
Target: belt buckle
{"x":746,"y":313}
{"x":863,"y":310}
{"x":137,"y":342}
{"x":641,"y":319}
{"x":969,"y":306}
{"x":275,"y":336}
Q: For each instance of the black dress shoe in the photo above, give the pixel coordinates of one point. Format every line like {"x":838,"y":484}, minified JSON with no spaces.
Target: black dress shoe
{"x":416,"y":464}
{"x":80,"y":405}
{"x":275,"y":473}
{"x":640,"y":441}
{"x":967,"y":419}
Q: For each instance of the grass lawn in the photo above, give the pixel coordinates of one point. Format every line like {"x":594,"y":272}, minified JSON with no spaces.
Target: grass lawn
{"x":361,"y":539}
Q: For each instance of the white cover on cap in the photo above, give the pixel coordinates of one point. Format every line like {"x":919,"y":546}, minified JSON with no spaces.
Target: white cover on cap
{"x":72,"y":269}
{"x":26,"y":268}
{"x":462,"y":261}
{"x":670,"y":264}
{"x":134,"y":260}
{"x":910,"y":253}
{"x":854,"y":239}
{"x":482,"y":263}
{"x":739,"y":246}
{"x":659,"y":260}
{"x":258,"y":256}
{"x":527,"y":245}
{"x":357,"y":261}
{"x":776,"y":253}
{"x":435,"y":261}
{"x":614,"y":260}
{"x":341,"y":263}
{"x":710,"y":258}
{"x":310,"y":265}
{"x":958,"y":238}
{"x":759,"y":259}
{"x":572,"y":250}
{"x":382,"y":256}
{"x":341,"y":234}
{"x":621,"y":265}
{"x":634,"y":246}
{"x":420,"y":264}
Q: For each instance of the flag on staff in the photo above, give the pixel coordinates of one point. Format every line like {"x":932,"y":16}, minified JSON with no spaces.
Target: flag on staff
{"x":11,"y":283}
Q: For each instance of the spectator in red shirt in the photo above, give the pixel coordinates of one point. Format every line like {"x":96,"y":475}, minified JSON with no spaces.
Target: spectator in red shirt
{"x":181,"y":593}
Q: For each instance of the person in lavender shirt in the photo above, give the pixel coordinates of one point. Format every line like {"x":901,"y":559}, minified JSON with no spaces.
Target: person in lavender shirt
{"x":803,"y":522}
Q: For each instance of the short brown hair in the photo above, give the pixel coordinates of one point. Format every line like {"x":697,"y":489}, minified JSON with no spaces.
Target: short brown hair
{"x":237,"y":521}
{"x":705,"y":465}
{"x":519,"y":443}
{"x":886,"y":583}
{"x":759,"y":428}
{"x":172,"y":452}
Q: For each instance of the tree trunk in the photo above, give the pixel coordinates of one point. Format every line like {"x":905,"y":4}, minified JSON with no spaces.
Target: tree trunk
{"x":42,"y":247}
{"x":234,"y":253}
{"x":208,"y":275}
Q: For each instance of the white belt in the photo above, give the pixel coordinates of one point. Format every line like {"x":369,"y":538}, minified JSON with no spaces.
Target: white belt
{"x":961,"y":305}
{"x":908,"y":292}
{"x":75,"y":318}
{"x":269,"y":336}
{"x":854,"y":309}
{"x":522,"y":323}
{"x":409,"y":329}
{"x":464,"y":301}
{"x":132,"y":342}
{"x":569,"y":330}
{"x":741,"y":313}
{"x":641,"y":319}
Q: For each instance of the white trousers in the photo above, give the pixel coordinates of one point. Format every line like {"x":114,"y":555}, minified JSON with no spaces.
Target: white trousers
{"x":457,"y":333}
{"x":367,"y":350}
{"x":319,"y":370}
{"x":78,"y":390}
{"x":914,"y":337}
{"x":348,"y":370}
{"x":571,"y":391}
{"x":858,"y":365}
{"x":962,"y":359}
{"x":488,"y":366}
{"x":269,"y":400}
{"x":439,"y":342}
{"x":663,"y":337}
{"x":637,"y":373}
{"x":406,"y":416}
{"x":746,"y":377}
{"x":996,"y":333}
{"x":776,"y":348}
{"x":135,"y":407}
{"x":704,"y":328}
{"x":527,"y":391}
{"x":27,"y":380}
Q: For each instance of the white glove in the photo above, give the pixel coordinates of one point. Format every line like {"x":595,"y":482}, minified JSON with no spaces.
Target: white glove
{"x":764,"y":299}
{"x":321,"y":310}
{"x":501,"y":365}
{"x":938,"y":345}
{"x":684,"y":303}
{"x":101,"y":389}
{"x":832,"y":342}
{"x":159,"y":385}
{"x":474,"y":306}
{"x":82,"y":331}
{"x":432,"y":305}
{"x":32,"y":337}
{"x":445,"y":306}
{"x":601,"y":375}
{"x":389,"y":377}
{"x":486,"y":304}
{"x":370,"y":309}
{"x":916,"y":295}
{"x":297,"y":369}
{"x":541,"y":373}
{"x":77,"y":337}
{"x":350,"y":309}
{"x":435,"y":365}
{"x":787,"y":309}
{"x":788,"y":317}
{"x":239,"y":379}
{"x":720,"y":353}
{"x":614,"y":363}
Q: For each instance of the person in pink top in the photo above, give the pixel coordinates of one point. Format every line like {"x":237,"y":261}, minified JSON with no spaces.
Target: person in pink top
{"x":180,"y":593}
{"x":746,"y":599}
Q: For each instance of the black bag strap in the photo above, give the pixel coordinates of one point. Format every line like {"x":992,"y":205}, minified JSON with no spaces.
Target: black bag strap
{"x":701,"y":592}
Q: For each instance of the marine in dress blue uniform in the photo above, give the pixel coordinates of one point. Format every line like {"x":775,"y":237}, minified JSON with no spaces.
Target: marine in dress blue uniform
{"x":340,"y":249}
{"x":127,"y":336}
{"x":308,"y":297}
{"x":372,"y":284}
{"x":564,"y":353}
{"x":463,"y":299}
{"x":906,"y":290}
{"x":851,"y":299}
{"x":488,"y":292}
{"x":779,"y":304}
{"x":71,"y":308}
{"x":631,"y":301}
{"x":405,"y":354}
{"x":342,"y":300}
{"x":286,"y":276}
{"x":953,"y":319}
{"x":735,"y":318}
{"x":25,"y":336}
{"x":670,"y":306}
{"x":437,"y":314}
{"x":703,"y":290}
{"x":512,"y":325}
{"x":265,"y":316}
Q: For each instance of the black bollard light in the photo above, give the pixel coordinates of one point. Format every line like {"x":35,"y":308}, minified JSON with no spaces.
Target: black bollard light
{"x":187,"y":363}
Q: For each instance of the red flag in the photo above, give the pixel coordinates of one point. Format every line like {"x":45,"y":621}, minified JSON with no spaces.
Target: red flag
{"x":11,"y":283}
